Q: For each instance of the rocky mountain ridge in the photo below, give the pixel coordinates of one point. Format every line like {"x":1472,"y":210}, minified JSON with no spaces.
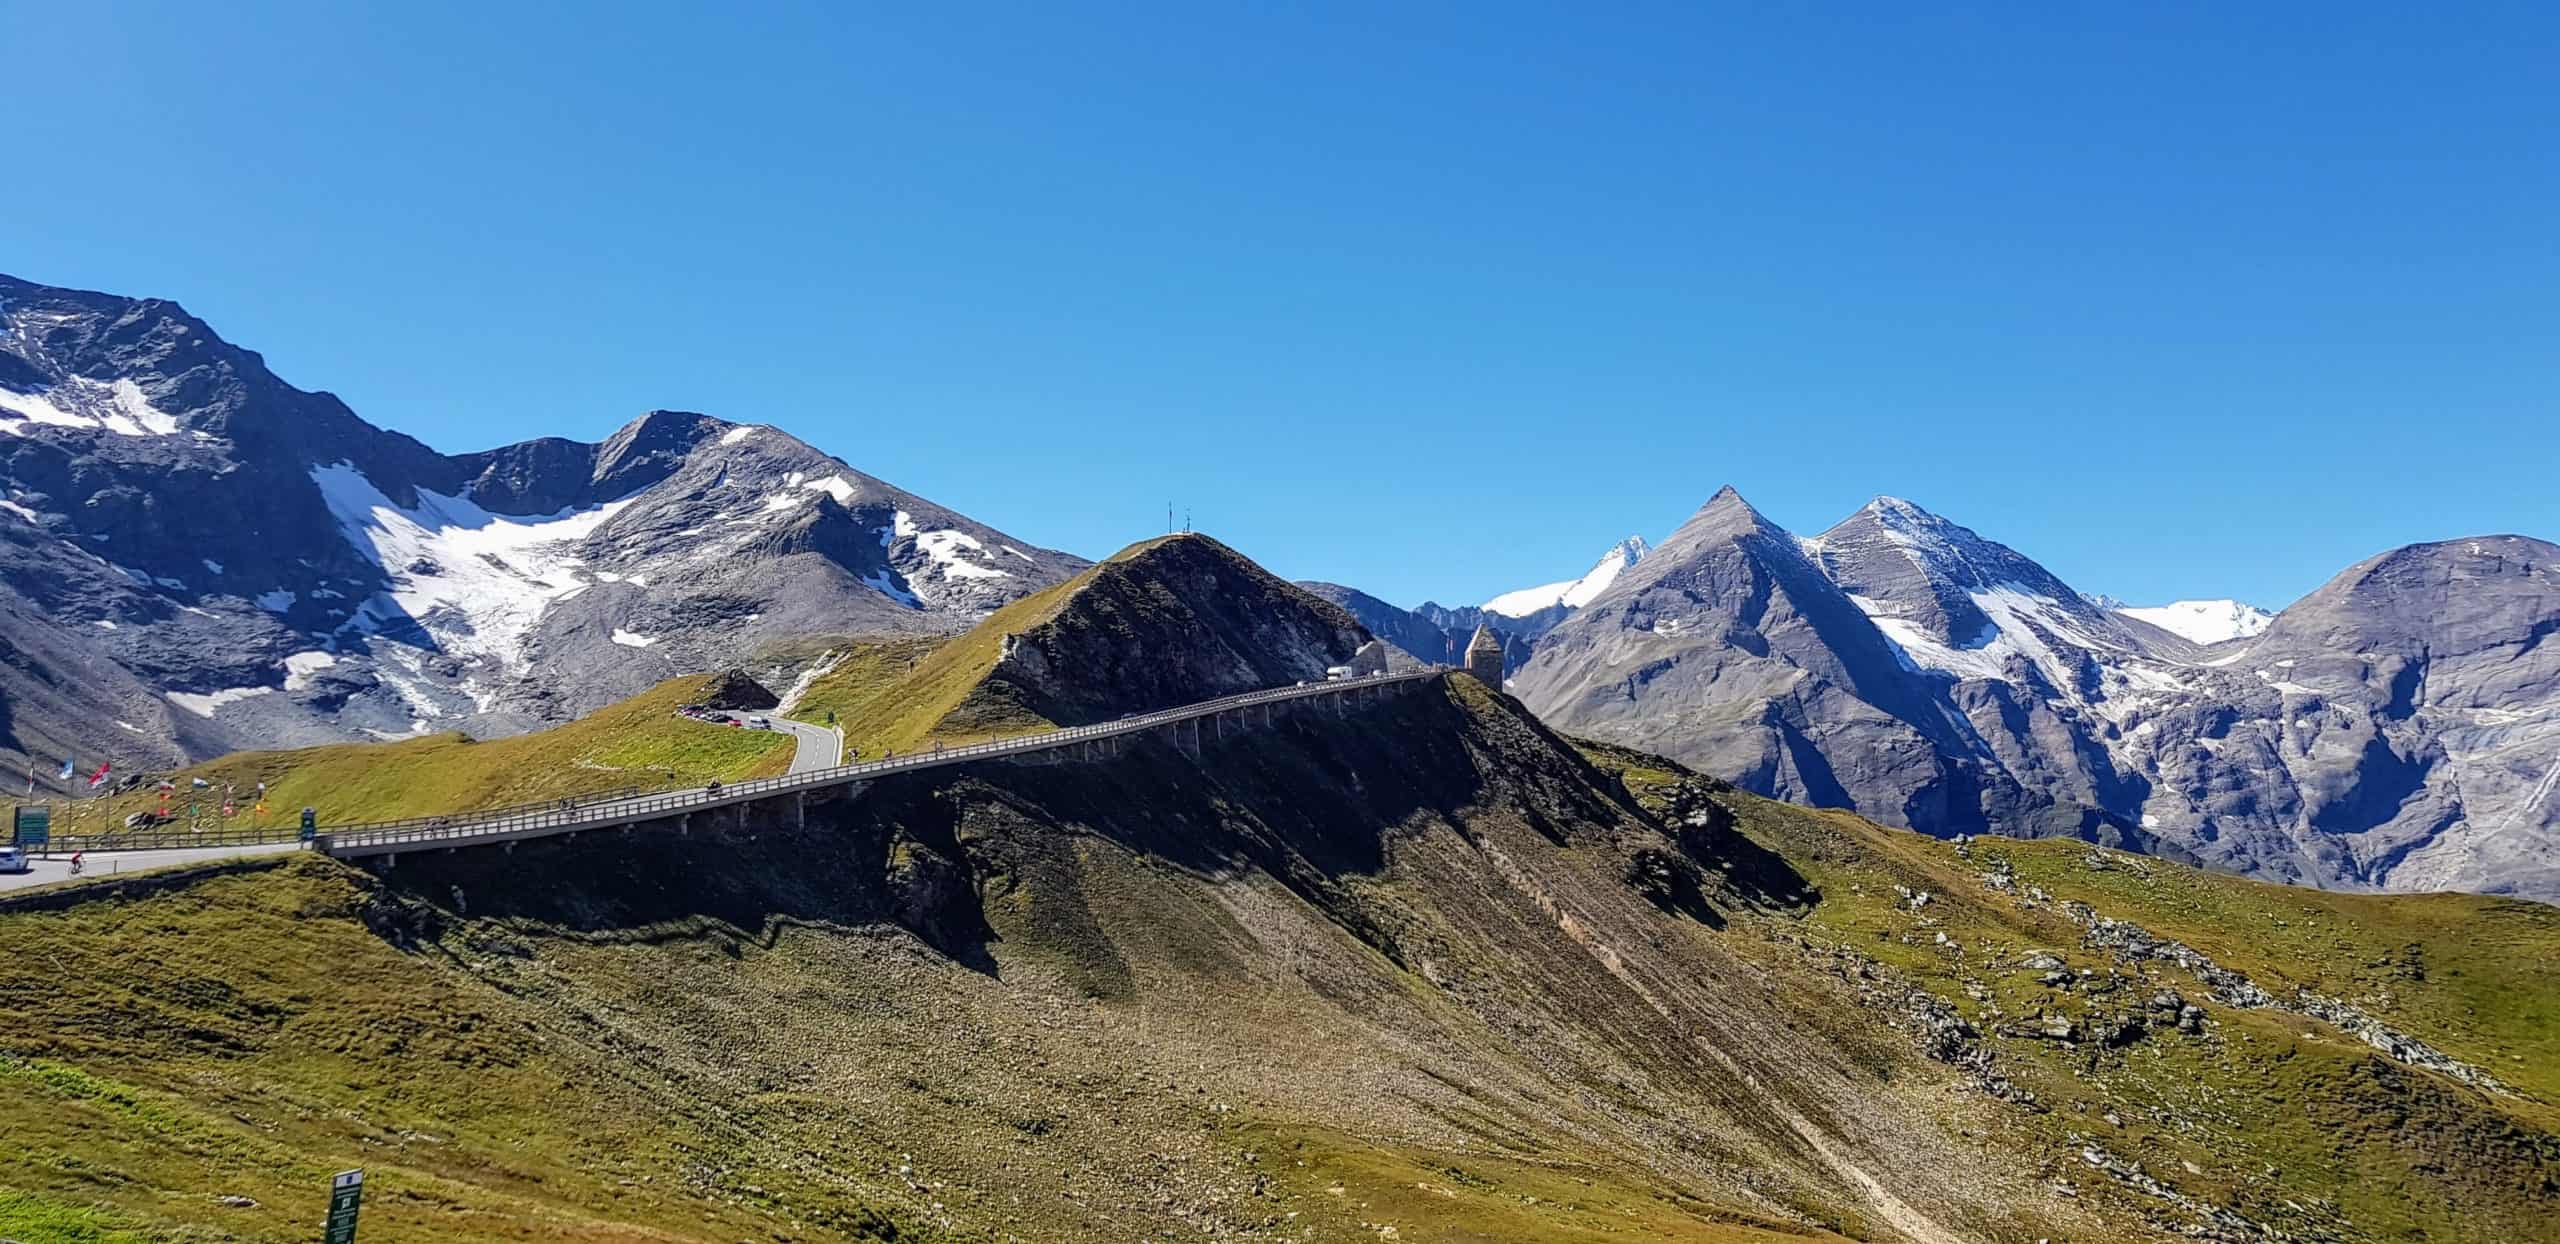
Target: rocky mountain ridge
{"x":2393,"y":730}
{"x":196,"y":556}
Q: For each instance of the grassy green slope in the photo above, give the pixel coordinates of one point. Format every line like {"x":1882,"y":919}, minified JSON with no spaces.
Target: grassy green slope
{"x":903,"y":694}
{"x":246,"y":1035}
{"x":638,"y":742}
{"x":2283,"y":1118}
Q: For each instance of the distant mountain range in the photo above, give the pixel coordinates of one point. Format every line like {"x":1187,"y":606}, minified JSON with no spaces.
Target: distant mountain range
{"x":196,"y":556}
{"x":2397,"y":729}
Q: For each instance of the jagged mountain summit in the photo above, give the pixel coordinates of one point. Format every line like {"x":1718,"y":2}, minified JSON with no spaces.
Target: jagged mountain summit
{"x":1571,"y":593}
{"x":2394,"y":730}
{"x":196,"y":556}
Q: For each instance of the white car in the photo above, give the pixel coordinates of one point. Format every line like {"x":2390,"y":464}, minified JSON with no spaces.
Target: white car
{"x":13,"y":860}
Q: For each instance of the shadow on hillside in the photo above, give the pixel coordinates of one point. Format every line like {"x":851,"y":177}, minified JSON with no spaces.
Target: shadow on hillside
{"x":1313,"y":802}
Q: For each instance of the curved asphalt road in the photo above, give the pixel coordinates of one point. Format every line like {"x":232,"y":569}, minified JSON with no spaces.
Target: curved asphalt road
{"x":106,"y":864}
{"x":819,"y":747}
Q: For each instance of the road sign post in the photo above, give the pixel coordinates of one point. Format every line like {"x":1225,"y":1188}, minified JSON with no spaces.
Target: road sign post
{"x":32,"y":827}
{"x":346,"y":1196}
{"x":310,"y":824}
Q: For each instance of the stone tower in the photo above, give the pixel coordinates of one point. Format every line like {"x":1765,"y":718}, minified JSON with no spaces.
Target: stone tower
{"x":1484,"y":657}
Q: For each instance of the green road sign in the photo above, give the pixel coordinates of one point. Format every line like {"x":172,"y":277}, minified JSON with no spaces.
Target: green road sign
{"x":310,"y":824}
{"x":33,"y":827}
{"x":346,"y":1195}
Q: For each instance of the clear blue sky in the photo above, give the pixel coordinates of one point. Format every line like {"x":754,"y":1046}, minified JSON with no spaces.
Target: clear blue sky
{"x":2182,"y":300}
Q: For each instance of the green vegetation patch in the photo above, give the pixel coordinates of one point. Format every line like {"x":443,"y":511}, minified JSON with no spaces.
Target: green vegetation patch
{"x":196,"y":1063}
{"x":640,"y":742}
{"x":1321,"y":1176}
{"x":2279,"y":1117}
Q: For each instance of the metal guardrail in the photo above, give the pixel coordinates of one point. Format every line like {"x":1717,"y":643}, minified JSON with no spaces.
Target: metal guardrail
{"x":162,"y":838}
{"x":169,"y":836}
{"x":594,"y":813}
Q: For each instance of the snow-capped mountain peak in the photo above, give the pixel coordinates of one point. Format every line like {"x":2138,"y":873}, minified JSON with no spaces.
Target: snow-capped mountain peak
{"x":1572,"y":593}
{"x":2201,"y":621}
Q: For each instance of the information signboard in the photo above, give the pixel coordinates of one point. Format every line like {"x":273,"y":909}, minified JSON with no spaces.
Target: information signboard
{"x":346,"y":1196}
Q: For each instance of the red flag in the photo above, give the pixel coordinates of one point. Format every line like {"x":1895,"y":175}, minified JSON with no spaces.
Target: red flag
{"x":99,"y":778}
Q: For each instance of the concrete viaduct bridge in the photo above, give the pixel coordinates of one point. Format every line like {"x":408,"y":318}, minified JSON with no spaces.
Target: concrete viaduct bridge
{"x":1188,"y":728}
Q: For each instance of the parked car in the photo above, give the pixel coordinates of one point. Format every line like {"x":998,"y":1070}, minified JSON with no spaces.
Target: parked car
{"x":761,"y":723}
{"x":13,"y":860}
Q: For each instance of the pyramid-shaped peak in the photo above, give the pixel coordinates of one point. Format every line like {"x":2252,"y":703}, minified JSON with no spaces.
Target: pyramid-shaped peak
{"x":1904,"y":520}
{"x":1727,"y":513}
{"x":1884,"y":506}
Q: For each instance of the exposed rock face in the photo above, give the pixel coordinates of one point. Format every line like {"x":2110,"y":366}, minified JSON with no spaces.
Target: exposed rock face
{"x":196,"y":556}
{"x":1172,"y":621}
{"x":733,"y":689}
{"x":2397,"y":729}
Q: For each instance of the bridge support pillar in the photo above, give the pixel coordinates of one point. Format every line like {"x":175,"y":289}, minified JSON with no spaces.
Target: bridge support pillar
{"x":799,"y":809}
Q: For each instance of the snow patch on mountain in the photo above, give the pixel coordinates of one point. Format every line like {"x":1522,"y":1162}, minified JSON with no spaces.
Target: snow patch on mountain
{"x":885,"y":582}
{"x":1572,"y":593}
{"x":944,"y":547}
{"x":119,"y":407}
{"x":204,"y":705}
{"x":474,"y":581}
{"x":2202,"y":621}
{"x":301,"y":667}
{"x":836,"y":486}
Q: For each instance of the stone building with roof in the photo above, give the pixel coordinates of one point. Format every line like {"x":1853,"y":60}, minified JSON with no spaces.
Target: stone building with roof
{"x":1484,"y":657}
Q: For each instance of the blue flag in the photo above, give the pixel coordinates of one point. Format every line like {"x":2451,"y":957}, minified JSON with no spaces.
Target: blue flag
{"x":66,"y":768}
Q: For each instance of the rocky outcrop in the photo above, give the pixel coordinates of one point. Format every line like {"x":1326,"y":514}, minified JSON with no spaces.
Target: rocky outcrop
{"x":1172,"y":621}
{"x":734,"y":690}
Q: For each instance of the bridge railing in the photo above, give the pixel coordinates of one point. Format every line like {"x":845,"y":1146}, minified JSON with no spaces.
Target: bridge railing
{"x":166,"y":836}
{"x":597,"y":812}
{"x":163,"y":838}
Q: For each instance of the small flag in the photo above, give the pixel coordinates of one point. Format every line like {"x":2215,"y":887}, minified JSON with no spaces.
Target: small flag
{"x":66,"y":768}
{"x":99,"y":778}
{"x":199,"y":783}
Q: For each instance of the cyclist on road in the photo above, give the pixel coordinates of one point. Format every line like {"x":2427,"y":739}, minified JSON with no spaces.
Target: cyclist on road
{"x":79,"y":860}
